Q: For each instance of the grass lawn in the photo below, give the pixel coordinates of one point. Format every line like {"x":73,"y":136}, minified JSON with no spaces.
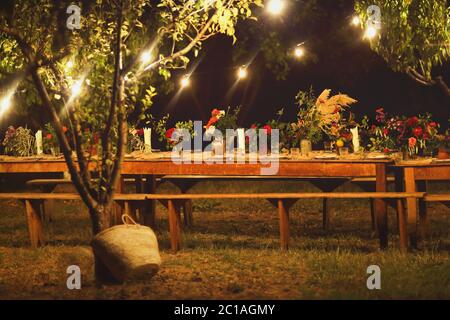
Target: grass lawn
{"x":232,"y":252}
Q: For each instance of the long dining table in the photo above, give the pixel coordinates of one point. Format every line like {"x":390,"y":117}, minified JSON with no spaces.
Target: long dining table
{"x":289,"y":168}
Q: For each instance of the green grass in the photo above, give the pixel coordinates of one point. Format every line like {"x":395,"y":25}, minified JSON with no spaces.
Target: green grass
{"x":232,"y":253}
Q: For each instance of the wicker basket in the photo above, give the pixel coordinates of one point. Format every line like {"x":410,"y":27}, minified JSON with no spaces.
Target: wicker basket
{"x":129,"y":251}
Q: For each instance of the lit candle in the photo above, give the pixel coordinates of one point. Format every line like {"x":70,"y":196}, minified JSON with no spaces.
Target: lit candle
{"x":39,"y":147}
{"x":241,"y":140}
{"x":148,"y":140}
{"x":355,"y":139}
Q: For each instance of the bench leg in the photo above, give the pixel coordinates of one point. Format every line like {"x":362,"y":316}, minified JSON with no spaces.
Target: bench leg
{"x":34,"y":222}
{"x":174,"y":225}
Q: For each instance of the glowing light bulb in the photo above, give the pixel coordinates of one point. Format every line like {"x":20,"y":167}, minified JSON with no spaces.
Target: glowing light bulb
{"x":5,"y":104}
{"x":76,"y":88}
{"x":370,"y":33}
{"x":185,"y":82}
{"x":242,"y":73}
{"x":146,"y":57}
{"x":299,"y":52}
{"x":356,"y":21}
{"x":275,"y":7}
{"x":69,"y":65}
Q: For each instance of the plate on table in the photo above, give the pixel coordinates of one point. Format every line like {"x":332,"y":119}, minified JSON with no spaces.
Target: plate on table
{"x":325,"y":156}
{"x":377,"y":156}
{"x":416,"y":162}
{"x":441,"y":161}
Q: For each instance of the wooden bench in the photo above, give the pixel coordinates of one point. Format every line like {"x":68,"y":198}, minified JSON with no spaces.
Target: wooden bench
{"x":443,"y":198}
{"x":48,"y":186}
{"x":186,"y":182}
{"x":282,"y":201}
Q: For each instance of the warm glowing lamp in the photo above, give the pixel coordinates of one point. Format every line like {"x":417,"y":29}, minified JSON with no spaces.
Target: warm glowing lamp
{"x":356,"y":21}
{"x":146,"y":57}
{"x":370,"y":33}
{"x":275,"y":7}
{"x":242,"y":73}
{"x":185,"y":81}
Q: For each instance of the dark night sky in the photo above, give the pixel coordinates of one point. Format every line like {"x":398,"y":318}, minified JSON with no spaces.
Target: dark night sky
{"x":356,"y":70}
{"x":351,"y":68}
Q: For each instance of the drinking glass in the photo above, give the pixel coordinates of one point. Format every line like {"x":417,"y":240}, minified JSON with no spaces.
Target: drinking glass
{"x":295,"y":152}
{"x":328,"y":146}
{"x":343,"y":151}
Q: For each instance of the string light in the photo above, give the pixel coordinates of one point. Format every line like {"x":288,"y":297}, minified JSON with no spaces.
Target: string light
{"x":299,"y":52}
{"x":146,"y":57}
{"x":185,"y":81}
{"x":275,"y":7}
{"x":76,"y":88}
{"x":370,"y":33}
{"x":69,"y":65}
{"x":356,"y":21}
{"x":242,"y":72}
{"x":5,"y":103}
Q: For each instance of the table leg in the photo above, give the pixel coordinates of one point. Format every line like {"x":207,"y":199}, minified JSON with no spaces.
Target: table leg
{"x":423,"y":216}
{"x":401,"y":214}
{"x":174,"y":225}
{"x":402,"y":228}
{"x":283,"y":212}
{"x":48,"y":206}
{"x":34,"y":222}
{"x":411,"y":206}
{"x":116,"y":212}
{"x":381,"y":205}
{"x":149,"y":213}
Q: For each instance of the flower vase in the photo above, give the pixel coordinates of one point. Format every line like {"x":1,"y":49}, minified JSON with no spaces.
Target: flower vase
{"x":305,"y":147}
{"x":218,"y":147}
{"x":55,"y":151}
{"x":408,"y":155}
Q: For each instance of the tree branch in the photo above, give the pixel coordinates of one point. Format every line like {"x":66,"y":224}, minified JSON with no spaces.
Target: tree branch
{"x":416,"y":76}
{"x":39,"y":83}
{"x":443,"y":86}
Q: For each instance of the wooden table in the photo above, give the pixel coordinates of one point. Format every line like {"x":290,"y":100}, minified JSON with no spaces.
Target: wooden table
{"x":319,"y":169}
{"x":412,"y":178}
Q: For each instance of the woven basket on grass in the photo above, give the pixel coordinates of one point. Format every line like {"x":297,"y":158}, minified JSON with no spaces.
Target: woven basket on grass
{"x":129,"y":251}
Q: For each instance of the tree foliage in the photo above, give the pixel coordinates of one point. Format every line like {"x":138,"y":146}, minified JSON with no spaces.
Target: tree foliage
{"x":414,"y":36}
{"x":104,"y":59}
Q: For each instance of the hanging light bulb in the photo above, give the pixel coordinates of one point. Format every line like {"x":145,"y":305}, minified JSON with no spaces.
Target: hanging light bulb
{"x":299,"y":52}
{"x":76,"y":88}
{"x":5,"y":103}
{"x":275,"y":7}
{"x":370,"y":33}
{"x":356,"y":21}
{"x":185,"y":81}
{"x":242,"y":72}
{"x":69,"y":65}
{"x":146,"y":57}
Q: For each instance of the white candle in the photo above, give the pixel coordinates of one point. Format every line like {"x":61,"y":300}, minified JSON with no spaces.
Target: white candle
{"x":355,"y":139}
{"x":40,"y":149}
{"x":241,"y":140}
{"x":148,"y":140}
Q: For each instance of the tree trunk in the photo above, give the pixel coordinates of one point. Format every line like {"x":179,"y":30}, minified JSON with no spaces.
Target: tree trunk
{"x":101,"y":220}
